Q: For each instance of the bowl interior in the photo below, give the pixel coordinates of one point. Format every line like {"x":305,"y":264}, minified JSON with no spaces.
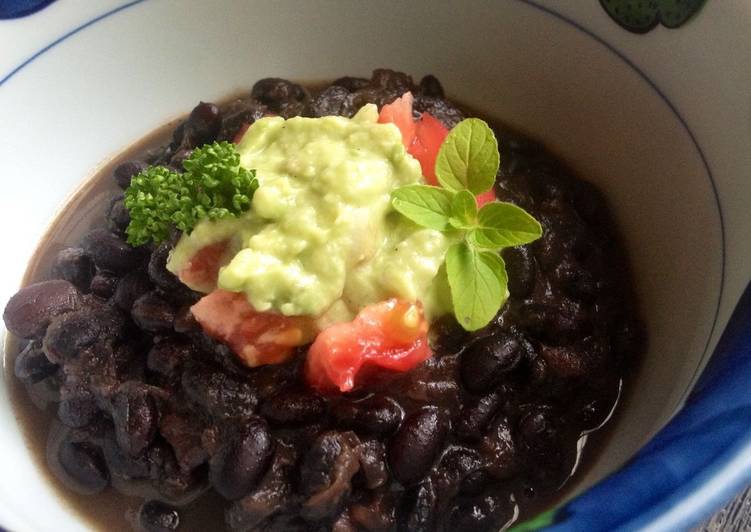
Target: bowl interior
{"x":131,"y":72}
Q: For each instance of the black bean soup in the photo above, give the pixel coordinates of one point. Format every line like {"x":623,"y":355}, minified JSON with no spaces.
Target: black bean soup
{"x":132,"y":398}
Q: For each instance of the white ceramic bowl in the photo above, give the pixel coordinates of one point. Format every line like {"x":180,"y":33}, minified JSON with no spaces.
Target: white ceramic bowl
{"x":661,"y":122}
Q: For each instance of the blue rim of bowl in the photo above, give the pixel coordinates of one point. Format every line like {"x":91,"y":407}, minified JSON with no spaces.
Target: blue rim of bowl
{"x":586,"y":511}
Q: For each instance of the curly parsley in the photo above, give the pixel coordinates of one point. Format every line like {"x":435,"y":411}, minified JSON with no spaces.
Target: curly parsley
{"x":213,"y":186}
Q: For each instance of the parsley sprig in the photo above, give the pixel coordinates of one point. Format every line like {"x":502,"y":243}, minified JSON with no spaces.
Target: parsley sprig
{"x":466,"y":165}
{"x":213,"y":186}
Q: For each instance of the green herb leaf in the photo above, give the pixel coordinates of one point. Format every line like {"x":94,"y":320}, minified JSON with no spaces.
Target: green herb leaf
{"x":213,"y":186}
{"x":463,"y":210}
{"x":425,"y":205}
{"x":478,"y":284}
{"x":502,"y":225}
{"x":468,"y":158}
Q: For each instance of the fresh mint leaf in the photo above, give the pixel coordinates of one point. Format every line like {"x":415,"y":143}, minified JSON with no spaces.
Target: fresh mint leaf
{"x":468,"y":158}
{"x":425,"y":205}
{"x":478,"y":284}
{"x":463,"y":210}
{"x":502,"y":225}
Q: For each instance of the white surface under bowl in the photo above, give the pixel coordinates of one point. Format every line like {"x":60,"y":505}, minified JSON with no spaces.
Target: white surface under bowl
{"x":659,"y":122}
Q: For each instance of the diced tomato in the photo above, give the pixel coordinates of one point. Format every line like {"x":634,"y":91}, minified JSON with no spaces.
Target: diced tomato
{"x":202,"y":270}
{"x":485,"y":197}
{"x":391,"y":334}
{"x":429,"y":135}
{"x":240,"y":133}
{"x":422,"y":138}
{"x":399,"y":113}
{"x":257,"y":338}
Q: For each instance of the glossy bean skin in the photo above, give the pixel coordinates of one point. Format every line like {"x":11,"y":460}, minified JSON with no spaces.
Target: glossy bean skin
{"x":242,"y":460}
{"x":31,"y":309}
{"x":413,"y":448}
{"x":155,"y":516}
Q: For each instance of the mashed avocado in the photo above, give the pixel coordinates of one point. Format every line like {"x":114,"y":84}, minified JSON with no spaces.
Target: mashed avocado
{"x":321,"y":238}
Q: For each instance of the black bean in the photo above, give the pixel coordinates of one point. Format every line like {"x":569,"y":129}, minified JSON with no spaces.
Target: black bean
{"x":476,"y":415}
{"x":372,"y":456}
{"x":70,"y":334}
{"x":167,"y":357}
{"x":201,"y":127}
{"x":276,"y":92}
{"x":220,"y":394}
{"x":485,"y":361}
{"x":350,"y":83}
{"x":158,"y":272}
{"x":521,"y":269}
{"x":326,"y":473}
{"x":153,"y":313}
{"x":423,"y":516}
{"x":135,"y":415}
{"x":294,"y":408}
{"x":556,"y":321}
{"x":242,"y":460}
{"x":386,"y":78}
{"x":32,"y":365}
{"x":413,"y":448}
{"x":132,"y":286}
{"x":334,"y":101}
{"x":499,"y":450}
{"x":447,"y":336}
{"x":30,"y":310}
{"x":178,"y":158}
{"x":376,"y":513}
{"x":273,"y":493}
{"x":118,"y":216}
{"x":184,"y":432}
{"x":75,"y":266}
{"x":446,"y":112}
{"x":122,"y":465}
{"x":104,"y":284}
{"x":240,"y":114}
{"x":155,"y":516}
{"x":376,"y":414}
{"x":430,"y":86}
{"x":538,"y":431}
{"x":83,"y":464}
{"x":109,"y":252}
{"x":78,"y":406}
{"x":125,"y":172}
{"x":484,"y":513}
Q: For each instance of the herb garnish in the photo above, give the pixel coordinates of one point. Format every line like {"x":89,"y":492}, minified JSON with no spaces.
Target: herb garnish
{"x":213,"y":186}
{"x":466,"y":165}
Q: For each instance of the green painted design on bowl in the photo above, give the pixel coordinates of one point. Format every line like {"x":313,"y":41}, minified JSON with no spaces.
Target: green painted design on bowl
{"x":640,"y":16}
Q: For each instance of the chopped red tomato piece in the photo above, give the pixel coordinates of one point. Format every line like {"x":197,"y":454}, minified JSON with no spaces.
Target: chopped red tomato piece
{"x":399,"y":113}
{"x":422,"y":138}
{"x":202,"y":270}
{"x":391,"y":334}
{"x":429,"y":135}
{"x":485,"y":197}
{"x":257,"y":338}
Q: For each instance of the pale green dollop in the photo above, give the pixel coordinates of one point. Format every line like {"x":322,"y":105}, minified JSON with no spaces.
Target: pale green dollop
{"x":321,"y":238}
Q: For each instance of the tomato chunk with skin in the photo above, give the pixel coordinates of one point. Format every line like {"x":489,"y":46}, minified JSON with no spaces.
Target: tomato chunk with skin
{"x":399,"y":113}
{"x":391,"y":334}
{"x":485,"y":197}
{"x":257,"y":338}
{"x":422,"y":138}
{"x":429,"y":135}
{"x":202,"y":270}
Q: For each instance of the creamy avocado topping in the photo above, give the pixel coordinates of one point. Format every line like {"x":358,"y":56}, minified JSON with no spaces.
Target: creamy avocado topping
{"x":321,"y":238}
